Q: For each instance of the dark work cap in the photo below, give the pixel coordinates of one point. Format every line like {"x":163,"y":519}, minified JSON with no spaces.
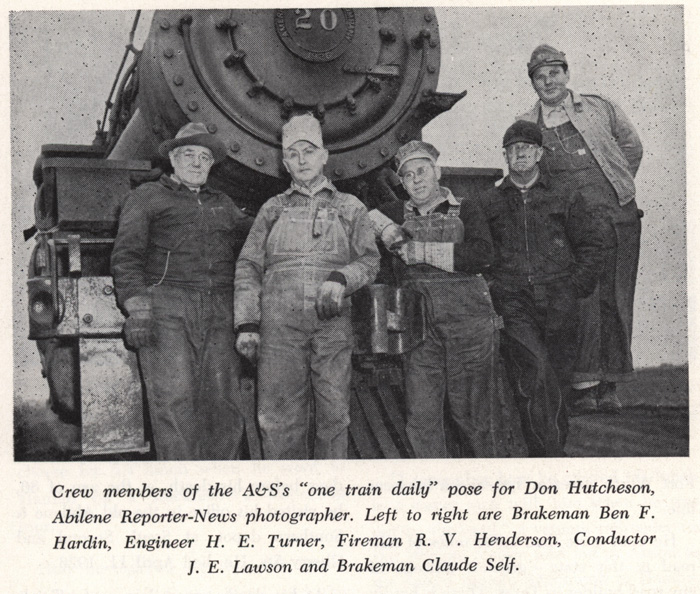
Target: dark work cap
{"x":523,"y":131}
{"x":545,"y":55}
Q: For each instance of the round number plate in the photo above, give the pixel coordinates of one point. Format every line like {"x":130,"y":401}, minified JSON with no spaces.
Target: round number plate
{"x":316,"y":35}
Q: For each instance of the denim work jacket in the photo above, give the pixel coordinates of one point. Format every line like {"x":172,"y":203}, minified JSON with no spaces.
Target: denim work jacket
{"x":610,"y":136}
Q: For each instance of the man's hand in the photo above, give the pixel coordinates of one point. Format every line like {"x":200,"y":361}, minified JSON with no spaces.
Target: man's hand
{"x":139,"y":330}
{"x":247,"y":344}
{"x":329,"y":300}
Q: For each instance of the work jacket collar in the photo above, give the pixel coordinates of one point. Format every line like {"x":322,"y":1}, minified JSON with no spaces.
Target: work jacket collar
{"x":176,"y":186}
{"x":513,"y":193}
{"x":565,"y":104}
{"x":446,"y":196}
{"x":573,"y":99}
{"x":322,"y":183}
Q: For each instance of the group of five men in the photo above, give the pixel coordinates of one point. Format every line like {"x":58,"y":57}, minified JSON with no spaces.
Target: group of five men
{"x":547,"y":260}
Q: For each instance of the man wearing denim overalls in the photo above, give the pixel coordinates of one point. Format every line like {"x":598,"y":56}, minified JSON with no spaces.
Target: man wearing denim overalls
{"x":309,"y":249}
{"x":455,"y":368}
{"x":592,"y":148}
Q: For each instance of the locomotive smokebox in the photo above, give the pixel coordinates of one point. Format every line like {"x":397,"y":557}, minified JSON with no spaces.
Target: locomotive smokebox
{"x":369,"y":76}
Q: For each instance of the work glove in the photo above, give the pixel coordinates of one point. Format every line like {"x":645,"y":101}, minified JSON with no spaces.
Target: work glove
{"x":412,"y":252}
{"x":440,"y":254}
{"x":435,"y":253}
{"x":247,"y":344}
{"x":392,"y":235}
{"x":139,"y":328}
{"x":329,"y":300}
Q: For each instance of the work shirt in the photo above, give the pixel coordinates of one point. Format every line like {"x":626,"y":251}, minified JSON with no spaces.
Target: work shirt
{"x":539,"y":237}
{"x":555,"y":115}
{"x":171,"y":235}
{"x":609,"y":135}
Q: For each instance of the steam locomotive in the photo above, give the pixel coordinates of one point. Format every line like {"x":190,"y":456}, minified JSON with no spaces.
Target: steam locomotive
{"x":369,"y":75}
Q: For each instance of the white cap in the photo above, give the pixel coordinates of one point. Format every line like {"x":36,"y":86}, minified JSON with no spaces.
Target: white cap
{"x":302,"y":127}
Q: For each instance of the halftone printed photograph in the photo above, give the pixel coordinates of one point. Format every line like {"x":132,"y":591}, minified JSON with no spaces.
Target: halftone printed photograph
{"x":349,"y":233}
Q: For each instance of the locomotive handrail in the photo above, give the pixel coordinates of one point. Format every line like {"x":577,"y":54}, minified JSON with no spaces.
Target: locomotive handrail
{"x":113,"y":135}
{"x":129,"y":49}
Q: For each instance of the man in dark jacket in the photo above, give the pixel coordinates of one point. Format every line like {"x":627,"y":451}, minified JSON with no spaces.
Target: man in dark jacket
{"x":548,"y":254}
{"x":173,"y":263}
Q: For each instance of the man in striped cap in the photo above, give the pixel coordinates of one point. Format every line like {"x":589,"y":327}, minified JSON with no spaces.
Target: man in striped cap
{"x":592,"y":147}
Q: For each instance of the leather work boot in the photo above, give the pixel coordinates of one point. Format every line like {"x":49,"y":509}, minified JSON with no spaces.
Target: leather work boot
{"x":585,"y":402}
{"x":608,"y":402}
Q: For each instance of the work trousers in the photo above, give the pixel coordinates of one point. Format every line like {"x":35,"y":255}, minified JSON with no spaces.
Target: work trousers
{"x":192,"y":376}
{"x":304,"y":372}
{"x":455,"y":368}
{"x":605,"y":316}
{"x":539,"y":348}
{"x":605,"y":329}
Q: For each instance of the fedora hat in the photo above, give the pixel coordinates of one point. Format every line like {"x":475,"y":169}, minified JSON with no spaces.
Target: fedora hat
{"x":195,"y":133}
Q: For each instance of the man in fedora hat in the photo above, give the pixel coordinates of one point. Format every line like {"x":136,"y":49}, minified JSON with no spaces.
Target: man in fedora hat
{"x":173,"y":263}
{"x":309,"y":249}
{"x":592,"y":147}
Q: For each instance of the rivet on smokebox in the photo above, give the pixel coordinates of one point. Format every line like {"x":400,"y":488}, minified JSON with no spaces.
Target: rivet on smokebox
{"x":431,"y":69}
{"x":234,"y":147}
{"x":428,"y":17}
{"x":178,"y":80}
{"x":193,"y":106}
{"x":361,"y":164}
{"x":87,"y":318}
{"x":211,"y":128}
{"x":169,"y":52}
{"x":165,"y":24}
{"x":259,"y":161}
{"x":383,"y":152}
{"x":338,"y":172}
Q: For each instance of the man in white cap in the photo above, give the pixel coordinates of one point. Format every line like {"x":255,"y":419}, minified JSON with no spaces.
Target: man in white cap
{"x":309,"y":249}
{"x":592,"y":148}
{"x":173,"y":263}
{"x":455,"y":368}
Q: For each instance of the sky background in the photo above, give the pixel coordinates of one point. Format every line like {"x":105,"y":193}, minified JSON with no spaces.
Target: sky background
{"x":62,"y":65}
